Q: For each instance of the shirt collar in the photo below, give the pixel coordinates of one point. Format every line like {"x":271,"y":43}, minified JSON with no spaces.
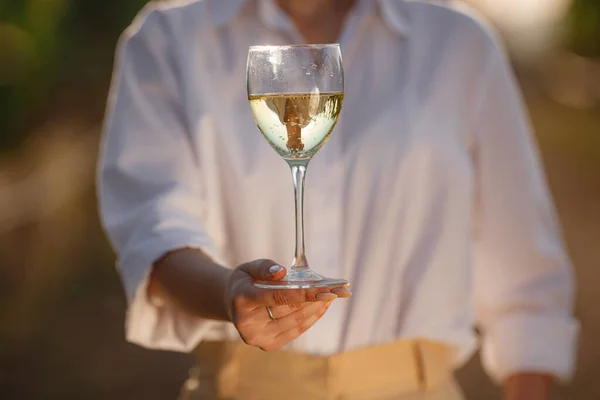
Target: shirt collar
{"x":224,"y":11}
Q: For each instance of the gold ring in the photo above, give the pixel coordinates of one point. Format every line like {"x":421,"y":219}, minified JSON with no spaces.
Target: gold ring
{"x":270,"y":314}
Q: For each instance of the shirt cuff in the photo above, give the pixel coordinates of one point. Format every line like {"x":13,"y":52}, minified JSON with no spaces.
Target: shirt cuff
{"x":530,"y":343}
{"x":153,"y":325}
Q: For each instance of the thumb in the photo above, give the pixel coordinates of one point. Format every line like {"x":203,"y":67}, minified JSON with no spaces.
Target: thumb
{"x":264,"y":270}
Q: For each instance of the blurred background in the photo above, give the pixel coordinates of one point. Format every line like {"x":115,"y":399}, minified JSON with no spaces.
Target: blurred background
{"x":61,"y":303}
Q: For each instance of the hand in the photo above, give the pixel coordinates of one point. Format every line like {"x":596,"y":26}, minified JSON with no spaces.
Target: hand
{"x":295,"y":310}
{"x":528,"y":386}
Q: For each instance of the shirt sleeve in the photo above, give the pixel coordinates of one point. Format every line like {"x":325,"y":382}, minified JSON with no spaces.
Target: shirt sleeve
{"x":148,"y":181}
{"x":524,"y":283}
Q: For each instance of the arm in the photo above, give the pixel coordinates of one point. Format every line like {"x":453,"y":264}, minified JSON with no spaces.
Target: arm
{"x":149,"y":195}
{"x":528,"y":386}
{"x":191,"y":281}
{"x":524,"y":284}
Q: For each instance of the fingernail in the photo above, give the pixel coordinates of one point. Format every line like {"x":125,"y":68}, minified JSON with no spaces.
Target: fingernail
{"x":325,"y":296}
{"x":346,"y":285}
{"x":275,"y":269}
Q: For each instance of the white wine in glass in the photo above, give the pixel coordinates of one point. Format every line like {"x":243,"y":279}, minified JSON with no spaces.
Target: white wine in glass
{"x":296,"y":95}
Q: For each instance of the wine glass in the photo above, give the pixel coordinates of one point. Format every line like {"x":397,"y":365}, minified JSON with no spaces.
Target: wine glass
{"x":295,"y":94}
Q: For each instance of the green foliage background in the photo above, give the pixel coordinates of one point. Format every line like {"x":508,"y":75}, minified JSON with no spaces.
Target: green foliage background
{"x":583,"y":23}
{"x":53,"y":47}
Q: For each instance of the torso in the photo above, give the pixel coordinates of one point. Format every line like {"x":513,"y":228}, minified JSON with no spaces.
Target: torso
{"x":388,"y":198}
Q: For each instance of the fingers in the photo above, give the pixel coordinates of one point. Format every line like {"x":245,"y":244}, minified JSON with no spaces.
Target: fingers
{"x":282,"y":311}
{"x":341,"y":292}
{"x":257,"y":329}
{"x":298,"y":317}
{"x":263,"y":270}
{"x":298,"y":329}
{"x":251,"y":296}
{"x":285,"y":310}
{"x":279,"y":297}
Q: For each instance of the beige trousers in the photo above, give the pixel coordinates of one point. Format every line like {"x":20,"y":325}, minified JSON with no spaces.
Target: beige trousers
{"x":402,"y":370}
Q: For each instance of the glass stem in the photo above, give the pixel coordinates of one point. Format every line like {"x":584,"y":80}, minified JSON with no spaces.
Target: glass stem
{"x":298,"y":172}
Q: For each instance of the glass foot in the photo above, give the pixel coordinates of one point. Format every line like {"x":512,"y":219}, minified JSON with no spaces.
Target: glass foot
{"x":304,"y":279}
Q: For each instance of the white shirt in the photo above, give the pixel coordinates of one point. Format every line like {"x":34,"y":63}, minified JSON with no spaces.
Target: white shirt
{"x":429,"y":197}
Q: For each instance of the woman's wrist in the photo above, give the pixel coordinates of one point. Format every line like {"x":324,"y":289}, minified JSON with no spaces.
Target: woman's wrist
{"x":192,"y":281}
{"x":528,"y":386}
